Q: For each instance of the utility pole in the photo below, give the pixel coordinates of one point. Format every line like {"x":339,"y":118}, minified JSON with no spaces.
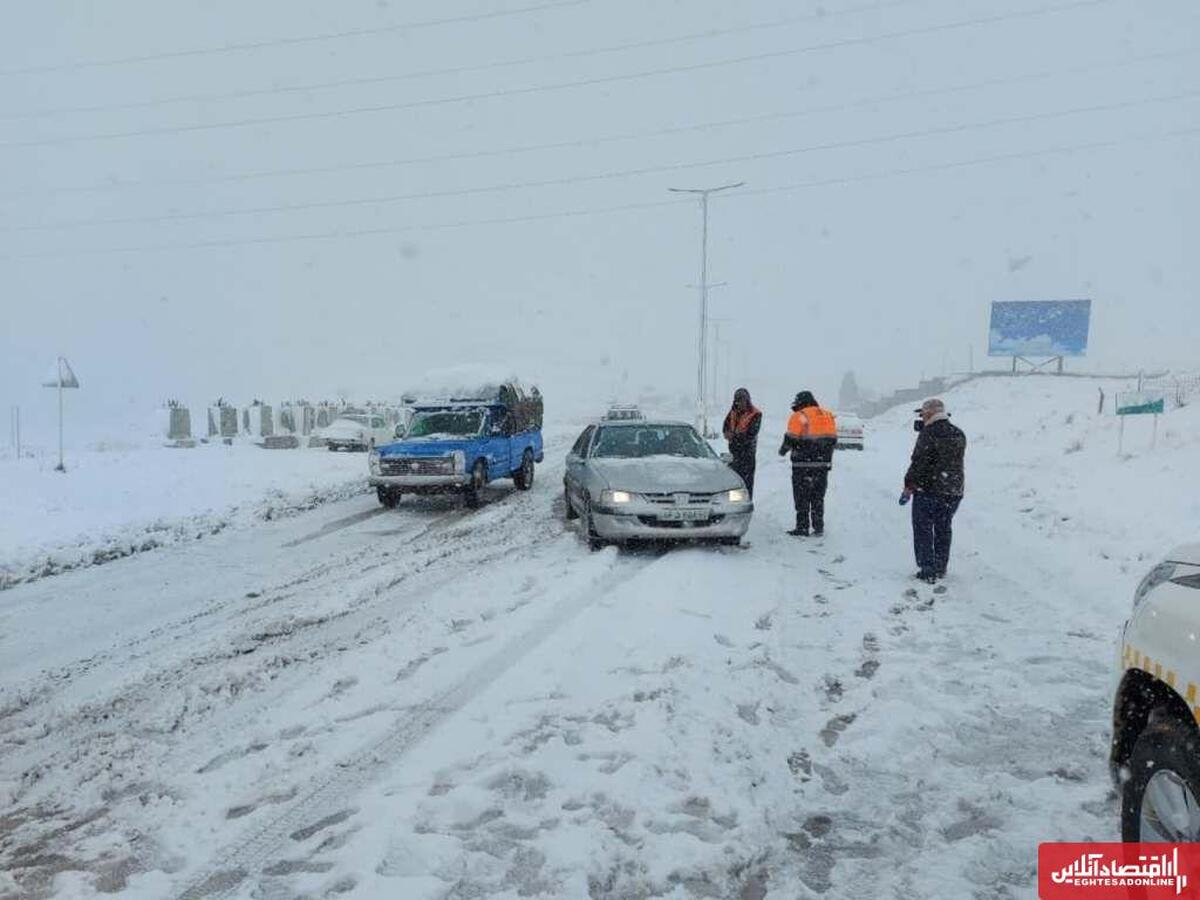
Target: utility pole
{"x":16,"y":429}
{"x":702,"y":362}
{"x":716,"y":357}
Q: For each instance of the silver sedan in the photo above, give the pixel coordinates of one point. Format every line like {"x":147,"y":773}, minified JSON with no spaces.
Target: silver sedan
{"x":653,"y":480}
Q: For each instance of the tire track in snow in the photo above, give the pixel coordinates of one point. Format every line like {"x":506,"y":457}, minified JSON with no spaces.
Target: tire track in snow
{"x":71,"y":750}
{"x":333,"y":796}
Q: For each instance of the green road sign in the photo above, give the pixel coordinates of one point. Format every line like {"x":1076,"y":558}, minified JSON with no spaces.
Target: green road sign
{"x":1141,"y":403}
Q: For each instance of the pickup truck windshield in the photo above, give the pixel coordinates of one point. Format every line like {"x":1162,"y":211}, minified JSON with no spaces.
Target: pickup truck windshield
{"x":451,"y":423}
{"x":635,"y":441}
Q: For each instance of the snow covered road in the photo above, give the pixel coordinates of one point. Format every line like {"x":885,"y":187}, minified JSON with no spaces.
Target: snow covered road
{"x":426,"y":702}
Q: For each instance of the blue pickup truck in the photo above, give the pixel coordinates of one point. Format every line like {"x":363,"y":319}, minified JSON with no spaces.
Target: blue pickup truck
{"x":459,"y":444}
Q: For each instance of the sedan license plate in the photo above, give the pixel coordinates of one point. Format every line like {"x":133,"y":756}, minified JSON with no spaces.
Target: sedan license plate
{"x":683,"y":515}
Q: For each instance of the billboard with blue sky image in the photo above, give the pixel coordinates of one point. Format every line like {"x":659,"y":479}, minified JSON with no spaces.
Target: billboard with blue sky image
{"x":1039,"y":328}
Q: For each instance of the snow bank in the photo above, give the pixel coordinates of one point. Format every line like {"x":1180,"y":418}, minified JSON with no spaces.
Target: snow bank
{"x":122,"y":499}
{"x":1041,"y":451}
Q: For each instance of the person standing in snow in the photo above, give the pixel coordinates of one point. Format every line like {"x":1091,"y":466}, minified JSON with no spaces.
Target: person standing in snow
{"x":811,"y":437}
{"x":935,"y":481}
{"x":742,"y":424}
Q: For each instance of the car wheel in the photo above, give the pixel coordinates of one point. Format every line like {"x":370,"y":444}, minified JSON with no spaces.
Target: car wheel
{"x":568,"y":510}
{"x":478,"y":480}
{"x":595,"y":542}
{"x":1159,"y":801}
{"x":524,"y":476}
{"x":389,"y":497}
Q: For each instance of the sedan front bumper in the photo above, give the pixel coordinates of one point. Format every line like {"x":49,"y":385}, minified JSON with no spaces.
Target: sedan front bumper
{"x":726,"y":522}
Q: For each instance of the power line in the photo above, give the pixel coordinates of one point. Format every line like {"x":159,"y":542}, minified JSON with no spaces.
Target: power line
{"x":594,"y":211}
{"x":287,"y":42}
{"x":455,"y":70}
{"x":610,"y":175}
{"x":617,"y":138}
{"x":565,"y":85}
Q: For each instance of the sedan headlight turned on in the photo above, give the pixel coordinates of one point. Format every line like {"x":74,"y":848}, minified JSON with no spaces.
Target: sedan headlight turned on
{"x":738,"y":495}
{"x":615,"y":498}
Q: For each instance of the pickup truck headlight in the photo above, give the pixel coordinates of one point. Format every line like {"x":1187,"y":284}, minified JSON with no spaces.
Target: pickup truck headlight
{"x":615,"y":498}
{"x":738,"y":495}
{"x":373,"y":462}
{"x":459,"y":464}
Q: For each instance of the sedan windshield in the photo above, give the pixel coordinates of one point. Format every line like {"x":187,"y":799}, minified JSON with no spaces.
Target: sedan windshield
{"x":637,"y":441}
{"x":458,"y":423}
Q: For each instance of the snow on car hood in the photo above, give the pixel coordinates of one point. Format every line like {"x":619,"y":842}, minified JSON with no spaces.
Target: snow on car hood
{"x":664,"y":474}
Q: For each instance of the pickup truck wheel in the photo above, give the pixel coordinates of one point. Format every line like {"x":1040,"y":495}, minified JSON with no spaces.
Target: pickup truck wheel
{"x":568,"y":509}
{"x":389,"y":497}
{"x":524,"y":475}
{"x":1159,"y":799}
{"x":478,"y":480}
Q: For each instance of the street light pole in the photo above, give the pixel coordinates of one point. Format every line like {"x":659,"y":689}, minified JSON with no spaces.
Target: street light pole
{"x":702,"y":362}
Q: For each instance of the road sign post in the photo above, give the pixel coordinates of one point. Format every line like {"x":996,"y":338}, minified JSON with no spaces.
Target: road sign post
{"x":63,"y":378}
{"x":1139,"y":403}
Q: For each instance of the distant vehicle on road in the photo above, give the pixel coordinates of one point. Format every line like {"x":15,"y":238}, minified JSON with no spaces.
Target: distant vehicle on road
{"x":648,"y":479}
{"x":357,"y":431}
{"x":1155,"y":754}
{"x":461,"y":444}
{"x":850,"y":431}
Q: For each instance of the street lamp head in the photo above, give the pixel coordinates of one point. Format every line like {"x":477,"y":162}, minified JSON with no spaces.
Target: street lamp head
{"x":711,"y":190}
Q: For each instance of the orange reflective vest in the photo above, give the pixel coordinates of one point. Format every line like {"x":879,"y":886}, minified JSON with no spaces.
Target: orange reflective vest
{"x":812,"y":423}
{"x":739,"y":422}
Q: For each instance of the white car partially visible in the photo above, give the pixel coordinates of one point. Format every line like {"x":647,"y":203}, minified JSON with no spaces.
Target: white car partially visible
{"x":1155,"y":754}
{"x":358,"y":431}
{"x":851,"y":432}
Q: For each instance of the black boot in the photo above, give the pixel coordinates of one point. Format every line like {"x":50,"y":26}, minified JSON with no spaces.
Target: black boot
{"x":801,"y":529}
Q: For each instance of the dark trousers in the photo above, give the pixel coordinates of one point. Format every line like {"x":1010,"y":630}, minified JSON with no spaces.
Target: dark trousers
{"x":808,"y":492}
{"x":744,"y":465}
{"x":932,"y":515}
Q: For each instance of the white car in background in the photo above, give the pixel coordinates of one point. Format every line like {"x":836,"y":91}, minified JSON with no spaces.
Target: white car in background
{"x":358,"y":431}
{"x":1155,"y":755}
{"x":850,"y":431}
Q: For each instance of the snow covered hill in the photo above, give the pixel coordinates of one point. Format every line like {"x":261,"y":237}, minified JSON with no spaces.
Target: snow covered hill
{"x":431,"y":703}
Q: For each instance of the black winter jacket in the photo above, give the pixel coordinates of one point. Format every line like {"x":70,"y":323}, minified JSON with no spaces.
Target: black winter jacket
{"x":937,"y":460}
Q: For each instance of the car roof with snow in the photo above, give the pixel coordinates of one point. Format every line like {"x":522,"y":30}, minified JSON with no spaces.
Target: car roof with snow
{"x":646,"y":423}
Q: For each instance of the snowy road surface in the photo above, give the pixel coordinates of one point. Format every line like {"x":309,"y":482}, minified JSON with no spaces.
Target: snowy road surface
{"x":433,"y":703}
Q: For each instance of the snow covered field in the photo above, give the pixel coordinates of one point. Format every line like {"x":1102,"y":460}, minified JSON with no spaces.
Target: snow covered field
{"x":123,"y":498}
{"x":431,"y":703}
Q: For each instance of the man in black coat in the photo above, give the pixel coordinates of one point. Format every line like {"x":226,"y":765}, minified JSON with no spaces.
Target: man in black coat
{"x":742,"y":425}
{"x":935,"y":482}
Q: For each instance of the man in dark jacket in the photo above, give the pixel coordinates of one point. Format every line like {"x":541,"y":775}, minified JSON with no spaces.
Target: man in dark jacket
{"x":935,"y":482}
{"x":742,"y":424}
{"x":811,"y":437}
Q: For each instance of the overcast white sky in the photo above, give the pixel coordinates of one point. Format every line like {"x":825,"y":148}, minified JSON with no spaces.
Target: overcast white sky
{"x":882,"y":256}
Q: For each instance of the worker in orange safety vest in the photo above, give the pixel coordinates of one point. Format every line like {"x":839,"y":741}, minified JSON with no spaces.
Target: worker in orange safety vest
{"x":811,"y":437}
